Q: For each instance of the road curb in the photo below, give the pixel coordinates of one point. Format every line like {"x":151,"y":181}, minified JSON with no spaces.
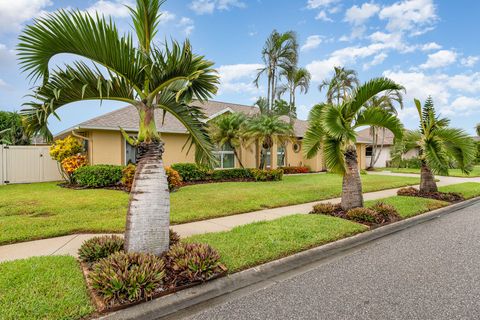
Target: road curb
{"x":170,"y":304}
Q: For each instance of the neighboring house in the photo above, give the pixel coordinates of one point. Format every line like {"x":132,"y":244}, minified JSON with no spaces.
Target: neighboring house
{"x":106,"y":145}
{"x":387,"y":140}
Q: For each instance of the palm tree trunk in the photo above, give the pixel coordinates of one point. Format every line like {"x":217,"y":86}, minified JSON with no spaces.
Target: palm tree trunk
{"x":427,"y":179}
{"x":352,"y":196}
{"x":262,"y":158}
{"x":148,"y":215}
{"x":238,"y":158}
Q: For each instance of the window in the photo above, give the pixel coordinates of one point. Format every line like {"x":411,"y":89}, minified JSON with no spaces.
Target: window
{"x":281,"y":156}
{"x":369,"y":151}
{"x":225,"y":157}
{"x":130,"y":153}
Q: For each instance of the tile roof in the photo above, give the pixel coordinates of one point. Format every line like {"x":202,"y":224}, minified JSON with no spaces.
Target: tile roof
{"x":366,"y":136}
{"x":127,"y":118}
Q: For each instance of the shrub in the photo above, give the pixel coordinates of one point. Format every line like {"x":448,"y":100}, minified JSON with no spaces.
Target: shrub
{"x":362,"y":215}
{"x":408,"y":191}
{"x":191,"y":172}
{"x":231,"y":174}
{"x":293,"y":170}
{"x":326,"y":208}
{"x":97,"y":248}
{"x":72,"y":163}
{"x":128,"y":173}
{"x":385,"y":212}
{"x":442,"y":196}
{"x":414,"y":163}
{"x":174,"y":237}
{"x":190,"y":262}
{"x":174,"y":179}
{"x":127,"y":277}
{"x":363,"y":172}
{"x":96,"y":176}
{"x":267,"y":175}
{"x":64,"y":148}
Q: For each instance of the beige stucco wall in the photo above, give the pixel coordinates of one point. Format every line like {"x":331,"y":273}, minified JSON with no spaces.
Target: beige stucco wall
{"x":361,"y":156}
{"x":106,"y":147}
{"x":174,"y":143}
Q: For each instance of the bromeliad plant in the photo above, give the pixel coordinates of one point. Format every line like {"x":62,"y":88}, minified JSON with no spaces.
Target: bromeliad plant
{"x":332,"y":130}
{"x":147,"y":76}
{"x":438,"y":144}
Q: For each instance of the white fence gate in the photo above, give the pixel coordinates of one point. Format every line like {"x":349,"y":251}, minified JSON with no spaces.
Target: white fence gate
{"x":26,"y":164}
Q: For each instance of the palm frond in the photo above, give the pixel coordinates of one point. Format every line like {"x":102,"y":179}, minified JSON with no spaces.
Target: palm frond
{"x":436,"y":156}
{"x":380,"y":118}
{"x":334,"y":155}
{"x":312,"y":141}
{"x":146,"y":17}
{"x":459,"y":145}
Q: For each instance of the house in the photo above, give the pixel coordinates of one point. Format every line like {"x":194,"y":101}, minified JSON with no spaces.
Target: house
{"x":106,"y":145}
{"x":385,"y":138}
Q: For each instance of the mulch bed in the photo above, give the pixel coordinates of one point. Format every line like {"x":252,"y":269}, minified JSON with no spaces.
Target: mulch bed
{"x":102,"y":307}
{"x":452,"y":197}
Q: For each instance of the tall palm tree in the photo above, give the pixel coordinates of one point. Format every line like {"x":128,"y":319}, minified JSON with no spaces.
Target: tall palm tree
{"x":332,"y":130}
{"x":387,"y":102}
{"x":438,"y":144}
{"x":297,"y":78}
{"x":280,"y":52}
{"x":266,"y":130}
{"x":146,"y":76}
{"x":341,"y":85}
{"x":227,"y":129}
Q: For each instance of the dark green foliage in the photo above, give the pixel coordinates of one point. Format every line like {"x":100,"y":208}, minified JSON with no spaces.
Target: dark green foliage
{"x":11,"y":129}
{"x":326,"y":208}
{"x":189,"y":262}
{"x":231,"y":174}
{"x":363,"y":215}
{"x":97,"y":248}
{"x":414,"y":163}
{"x":191,"y":172}
{"x":127,"y":277}
{"x":385,"y":212}
{"x":267,"y":175}
{"x":97,"y":176}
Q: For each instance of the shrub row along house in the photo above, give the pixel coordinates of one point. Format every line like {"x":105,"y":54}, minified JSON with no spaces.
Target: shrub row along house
{"x":105,"y":143}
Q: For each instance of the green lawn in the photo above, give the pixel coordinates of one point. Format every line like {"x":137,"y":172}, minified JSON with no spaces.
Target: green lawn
{"x":410,"y":206}
{"x":43,"y":288}
{"x":468,"y":189}
{"x":253,"y":244}
{"x":452,"y":172}
{"x":42,"y":210}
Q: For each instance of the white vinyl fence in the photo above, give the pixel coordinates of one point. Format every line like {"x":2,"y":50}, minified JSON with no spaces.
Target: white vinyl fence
{"x":26,"y":164}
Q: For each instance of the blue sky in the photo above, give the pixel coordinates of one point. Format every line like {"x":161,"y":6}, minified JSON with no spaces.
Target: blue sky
{"x":430,"y":47}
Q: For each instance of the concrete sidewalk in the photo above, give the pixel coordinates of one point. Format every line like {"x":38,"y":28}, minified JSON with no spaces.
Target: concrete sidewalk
{"x":70,"y":244}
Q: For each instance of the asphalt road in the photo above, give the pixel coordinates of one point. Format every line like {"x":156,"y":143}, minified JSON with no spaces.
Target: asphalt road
{"x":430,"y":271}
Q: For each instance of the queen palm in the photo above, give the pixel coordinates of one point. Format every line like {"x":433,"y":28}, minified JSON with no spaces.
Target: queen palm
{"x":280,"y":52}
{"x":438,"y":145}
{"x":227,"y":130}
{"x":341,"y":85}
{"x":332,"y":130}
{"x":111,"y":67}
{"x":297,"y":78}
{"x":267,"y":130}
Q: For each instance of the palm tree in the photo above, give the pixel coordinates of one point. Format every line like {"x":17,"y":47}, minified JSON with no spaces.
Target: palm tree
{"x":280,"y":52}
{"x":386,"y":102}
{"x":332,"y":130}
{"x":297,"y":78}
{"x":266,"y":130}
{"x":12,"y":130}
{"x":477,"y":129}
{"x":146,"y":76}
{"x":438,"y":144}
{"x":342,"y":84}
{"x":227,"y":129}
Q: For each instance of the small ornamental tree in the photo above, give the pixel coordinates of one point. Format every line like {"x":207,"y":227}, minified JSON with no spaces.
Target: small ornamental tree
{"x":65,"y":151}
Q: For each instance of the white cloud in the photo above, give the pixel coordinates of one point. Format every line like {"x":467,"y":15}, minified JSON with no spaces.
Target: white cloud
{"x":358,"y":15}
{"x":430,"y":46}
{"x":469,"y":61}
{"x":322,"y":15}
{"x":238,"y":78}
{"x":463,"y":105}
{"x":440,"y":59}
{"x":314,"y":4}
{"x":3,"y":84}
{"x":14,"y":13}
{"x":415,"y":16}
{"x":187,"y":25}
{"x":378,"y":59}
{"x":209,"y":6}
{"x":117,"y":8}
{"x":312,"y":42}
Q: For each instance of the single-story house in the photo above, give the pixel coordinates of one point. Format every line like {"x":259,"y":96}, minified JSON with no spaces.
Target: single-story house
{"x":106,"y":145}
{"x":385,"y":154}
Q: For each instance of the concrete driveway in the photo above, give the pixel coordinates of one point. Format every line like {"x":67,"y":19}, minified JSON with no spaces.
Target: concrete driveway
{"x":430,"y":271}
